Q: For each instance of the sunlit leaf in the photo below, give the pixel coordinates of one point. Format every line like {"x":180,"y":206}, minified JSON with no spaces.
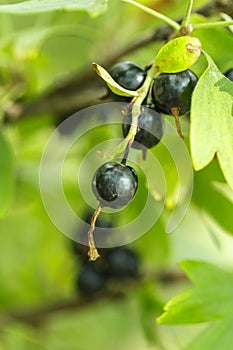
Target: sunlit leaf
{"x":209,"y":299}
{"x":178,"y":54}
{"x":212,"y":121}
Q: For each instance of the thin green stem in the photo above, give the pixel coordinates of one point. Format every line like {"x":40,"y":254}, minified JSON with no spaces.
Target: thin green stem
{"x":136,"y":111}
{"x":212,"y":25}
{"x":187,"y":15}
{"x":156,"y":14}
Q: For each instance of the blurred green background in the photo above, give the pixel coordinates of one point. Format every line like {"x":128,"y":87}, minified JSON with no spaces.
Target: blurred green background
{"x":37,"y":266}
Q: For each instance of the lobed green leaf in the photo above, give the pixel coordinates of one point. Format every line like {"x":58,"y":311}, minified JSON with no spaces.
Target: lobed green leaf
{"x":212,"y":121}
{"x":209,"y":299}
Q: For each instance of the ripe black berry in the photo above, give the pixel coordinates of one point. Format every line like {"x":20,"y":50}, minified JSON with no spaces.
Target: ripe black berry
{"x":122,"y":263}
{"x":114,"y":184}
{"x":172,"y":90}
{"x":229,"y":74}
{"x":90,"y":279}
{"x":129,"y":75}
{"x":150,"y":128}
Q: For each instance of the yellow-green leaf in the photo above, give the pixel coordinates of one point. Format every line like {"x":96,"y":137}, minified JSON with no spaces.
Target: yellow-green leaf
{"x":178,"y":54}
{"x":116,"y":88}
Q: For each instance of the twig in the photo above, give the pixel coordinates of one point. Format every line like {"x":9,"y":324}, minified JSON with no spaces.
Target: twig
{"x":35,"y":317}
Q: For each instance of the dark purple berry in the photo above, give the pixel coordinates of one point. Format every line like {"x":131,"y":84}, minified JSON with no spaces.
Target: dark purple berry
{"x":129,"y":75}
{"x":114,"y":184}
{"x":173,"y":90}
{"x":122,"y":263}
{"x":150,"y":128}
{"x":91,"y":280}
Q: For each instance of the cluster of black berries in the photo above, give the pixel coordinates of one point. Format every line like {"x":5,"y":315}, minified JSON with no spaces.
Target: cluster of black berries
{"x":170,"y":94}
{"x":116,"y":264}
{"x":115,"y":183}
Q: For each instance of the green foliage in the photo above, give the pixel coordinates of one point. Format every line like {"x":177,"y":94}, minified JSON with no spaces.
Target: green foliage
{"x":212,"y":121}
{"x":39,"y":6}
{"x":7,"y":175}
{"x":209,"y":300}
{"x":214,"y":202}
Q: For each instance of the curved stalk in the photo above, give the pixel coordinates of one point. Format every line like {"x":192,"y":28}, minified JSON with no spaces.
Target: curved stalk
{"x":156,"y":14}
{"x":187,"y":15}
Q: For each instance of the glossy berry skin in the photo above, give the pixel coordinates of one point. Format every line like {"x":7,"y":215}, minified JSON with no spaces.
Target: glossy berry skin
{"x":90,"y":280}
{"x":229,"y":74}
{"x":122,"y":263}
{"x":149,"y":131}
{"x":129,"y":75}
{"x":114,"y":184}
{"x":173,"y":90}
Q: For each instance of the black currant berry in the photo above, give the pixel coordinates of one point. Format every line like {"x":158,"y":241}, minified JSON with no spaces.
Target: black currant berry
{"x":114,"y":184}
{"x":174,"y":90}
{"x":129,"y":75}
{"x":122,"y":263}
{"x":90,"y":279}
{"x":150,"y":128}
{"x":229,"y":74}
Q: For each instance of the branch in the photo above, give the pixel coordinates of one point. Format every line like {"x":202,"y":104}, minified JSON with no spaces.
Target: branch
{"x":85,"y":89}
{"x":36,"y":316}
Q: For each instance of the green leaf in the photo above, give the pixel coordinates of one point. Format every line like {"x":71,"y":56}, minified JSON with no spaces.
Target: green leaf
{"x":149,"y":305}
{"x":178,"y":54}
{"x":216,"y":337}
{"x":116,"y":88}
{"x":6,"y":175}
{"x":209,"y":299}
{"x":94,"y":8}
{"x":212,"y":121}
{"x":214,"y":203}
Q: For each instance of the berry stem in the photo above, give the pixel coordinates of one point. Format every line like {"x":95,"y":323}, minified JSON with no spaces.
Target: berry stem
{"x":127,"y":149}
{"x":212,"y":25}
{"x":175,"y":113}
{"x":93,"y":252}
{"x":156,"y":14}
{"x":187,"y":15}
